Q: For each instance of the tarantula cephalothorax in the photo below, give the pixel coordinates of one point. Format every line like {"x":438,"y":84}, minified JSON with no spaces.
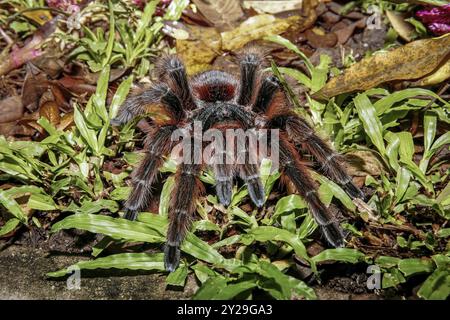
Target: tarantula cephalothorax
{"x":219,"y":100}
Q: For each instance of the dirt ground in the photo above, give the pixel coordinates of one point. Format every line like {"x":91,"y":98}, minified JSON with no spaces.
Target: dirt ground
{"x":22,"y":276}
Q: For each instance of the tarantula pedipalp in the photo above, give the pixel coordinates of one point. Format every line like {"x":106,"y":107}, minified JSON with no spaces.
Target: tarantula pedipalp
{"x":219,"y":100}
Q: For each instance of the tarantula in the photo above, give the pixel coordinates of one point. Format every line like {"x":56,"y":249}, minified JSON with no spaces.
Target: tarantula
{"x":220,"y":100}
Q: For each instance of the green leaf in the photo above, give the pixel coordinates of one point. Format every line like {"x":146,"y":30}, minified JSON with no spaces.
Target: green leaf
{"x":444,"y":233}
{"x":120,"y":193}
{"x":406,"y":148}
{"x":286,"y":43}
{"x":336,"y":191}
{"x":132,"y":261}
{"x":320,"y":73}
{"x":307,"y":227}
{"x":413,"y":266}
{"x":166,"y":196}
{"x":340,"y":254}
{"x":287,"y":204}
{"x":227,"y":241}
{"x":120,"y":96}
{"x":436,"y":286}
{"x":205,"y":225}
{"x":111,"y":34}
{"x":178,"y":277}
{"x":232,"y":290}
{"x":280,"y":288}
{"x":120,"y":229}
{"x":12,"y":206}
{"x":88,"y":135}
{"x":371,"y":123}
{"x":201,"y":250}
{"x":387,"y":102}
{"x":392,"y":278}
{"x":444,"y":196}
{"x":90,"y":207}
{"x":387,"y":262}
{"x":9,"y":226}
{"x":403,"y":178}
{"x":267,"y":233}
{"x":429,"y":124}
{"x":210,"y":288}
{"x":41,"y":202}
{"x":297,"y":75}
{"x":175,"y":9}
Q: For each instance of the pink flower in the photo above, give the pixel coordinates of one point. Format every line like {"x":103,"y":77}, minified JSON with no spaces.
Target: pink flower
{"x":436,"y":19}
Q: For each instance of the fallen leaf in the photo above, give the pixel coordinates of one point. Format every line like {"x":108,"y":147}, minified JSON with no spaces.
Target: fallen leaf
{"x":11,"y":109}
{"x":221,"y":13}
{"x":317,"y":40}
{"x":404,"y":29}
{"x":411,"y":61}
{"x":66,"y":121}
{"x":38,"y":16}
{"x":50,"y":111}
{"x":198,"y":52}
{"x":273,"y":7}
{"x":255,"y":28}
{"x":440,"y":75}
{"x":34,"y":86}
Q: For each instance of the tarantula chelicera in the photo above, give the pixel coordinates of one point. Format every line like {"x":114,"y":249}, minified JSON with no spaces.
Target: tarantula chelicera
{"x":219,"y":100}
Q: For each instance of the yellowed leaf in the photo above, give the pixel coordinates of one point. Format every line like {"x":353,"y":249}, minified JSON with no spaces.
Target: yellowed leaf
{"x":404,"y":29}
{"x":440,"y":75}
{"x":255,"y":28}
{"x":39,"y":16}
{"x":273,"y":6}
{"x":411,"y":61}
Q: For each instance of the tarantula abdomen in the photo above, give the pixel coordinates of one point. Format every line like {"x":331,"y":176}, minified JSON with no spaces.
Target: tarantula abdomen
{"x":219,"y":101}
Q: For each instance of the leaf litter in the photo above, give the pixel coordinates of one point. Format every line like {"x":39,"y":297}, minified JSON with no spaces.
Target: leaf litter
{"x":63,"y":166}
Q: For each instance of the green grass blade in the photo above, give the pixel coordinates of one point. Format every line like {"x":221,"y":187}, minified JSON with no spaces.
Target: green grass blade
{"x":371,"y":123}
{"x":120,"y":229}
{"x":340,"y":254}
{"x":131,"y":261}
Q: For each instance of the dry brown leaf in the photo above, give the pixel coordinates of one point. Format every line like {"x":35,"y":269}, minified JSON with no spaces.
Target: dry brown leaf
{"x":221,"y":13}
{"x":50,"y":111}
{"x":255,"y":28}
{"x":66,"y":121}
{"x":11,"y":109}
{"x":34,"y":86}
{"x":199,"y":52}
{"x":411,"y":61}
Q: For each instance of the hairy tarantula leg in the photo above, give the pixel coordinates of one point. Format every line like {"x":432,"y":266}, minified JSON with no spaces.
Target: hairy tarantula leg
{"x":250,"y":64}
{"x":136,"y":105}
{"x":158,"y":145}
{"x":269,"y":86}
{"x":305,"y":185}
{"x":173,"y":69}
{"x":331,"y":162}
{"x":250,"y":174}
{"x":187,"y":189}
{"x":224,"y":182}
